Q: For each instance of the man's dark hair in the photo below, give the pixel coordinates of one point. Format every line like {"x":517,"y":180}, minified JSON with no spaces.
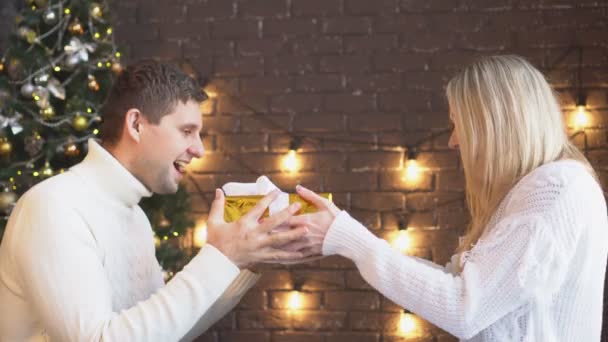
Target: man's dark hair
{"x":150,"y":86}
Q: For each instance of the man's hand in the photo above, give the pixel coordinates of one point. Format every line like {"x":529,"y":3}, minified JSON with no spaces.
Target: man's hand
{"x":250,"y":240}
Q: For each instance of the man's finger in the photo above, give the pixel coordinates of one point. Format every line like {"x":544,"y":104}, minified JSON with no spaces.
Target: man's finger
{"x":300,"y":220}
{"x":262,"y":205}
{"x":277,"y":219}
{"x":216,"y":213}
{"x":298,"y":245}
{"x":312,"y":197}
{"x":283,"y":238}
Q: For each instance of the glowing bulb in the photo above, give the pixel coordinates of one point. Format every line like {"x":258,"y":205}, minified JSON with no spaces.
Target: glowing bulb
{"x":156,"y":241}
{"x":412,"y":171}
{"x":57,"y":69}
{"x":295,"y":300}
{"x":581,"y":119}
{"x":97,"y":35}
{"x":66,"y":11}
{"x":402,"y":241}
{"x":200,"y":235}
{"x":95,"y":131}
{"x":407,"y":323}
{"x":290,"y":161}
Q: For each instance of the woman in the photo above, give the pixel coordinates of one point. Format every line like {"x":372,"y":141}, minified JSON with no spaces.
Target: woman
{"x":531,"y":266}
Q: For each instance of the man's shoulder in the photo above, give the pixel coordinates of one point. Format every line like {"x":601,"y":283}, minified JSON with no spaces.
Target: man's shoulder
{"x":57,"y":190}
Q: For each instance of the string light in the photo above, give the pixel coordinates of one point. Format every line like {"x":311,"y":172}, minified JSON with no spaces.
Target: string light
{"x":407,"y":323}
{"x":581,"y":117}
{"x":200,"y":235}
{"x":290,"y":160}
{"x":412,"y":171}
{"x":294,"y":301}
{"x":402,"y":240}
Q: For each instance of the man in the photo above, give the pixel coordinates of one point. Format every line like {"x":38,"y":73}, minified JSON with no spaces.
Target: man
{"x":77,"y":261}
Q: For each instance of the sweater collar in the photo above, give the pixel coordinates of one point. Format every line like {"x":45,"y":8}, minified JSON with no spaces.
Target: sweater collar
{"x":110,"y":176}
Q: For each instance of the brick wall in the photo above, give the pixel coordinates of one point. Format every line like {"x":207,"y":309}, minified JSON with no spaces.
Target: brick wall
{"x":358,"y":70}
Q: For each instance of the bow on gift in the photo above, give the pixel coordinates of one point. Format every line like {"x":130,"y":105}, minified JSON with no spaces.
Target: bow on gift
{"x":78,"y":51}
{"x":13,"y":122}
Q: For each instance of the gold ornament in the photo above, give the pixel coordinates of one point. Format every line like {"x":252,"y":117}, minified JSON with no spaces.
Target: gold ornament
{"x":80,"y":123}
{"x":5,"y":147}
{"x":71,"y":150}
{"x":116,"y":68}
{"x":48,"y":170}
{"x":75,"y":27}
{"x":93,"y":85}
{"x":28,"y":34}
{"x":7,"y":199}
{"x":95,"y":10}
{"x":47,"y":113}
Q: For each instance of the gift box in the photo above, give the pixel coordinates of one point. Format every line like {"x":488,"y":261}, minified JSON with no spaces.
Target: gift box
{"x":237,"y":206}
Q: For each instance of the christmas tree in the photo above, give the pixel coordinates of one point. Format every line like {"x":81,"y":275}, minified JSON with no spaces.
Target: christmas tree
{"x":54,"y":75}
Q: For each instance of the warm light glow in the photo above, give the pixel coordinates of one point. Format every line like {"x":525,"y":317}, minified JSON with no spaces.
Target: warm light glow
{"x":402,"y":241}
{"x":581,"y":118}
{"x":156,"y":241}
{"x":294,"y":301}
{"x":407,"y":323}
{"x":290,"y":162}
{"x":412,"y":171}
{"x":200,"y":235}
{"x":195,"y":164}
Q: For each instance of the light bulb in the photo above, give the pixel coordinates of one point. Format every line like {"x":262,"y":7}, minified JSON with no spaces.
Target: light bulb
{"x":200,"y":235}
{"x":412,"y":171}
{"x":581,"y":118}
{"x":294,"y":302}
{"x":407,"y":323}
{"x":402,"y":241}
{"x":290,"y":161}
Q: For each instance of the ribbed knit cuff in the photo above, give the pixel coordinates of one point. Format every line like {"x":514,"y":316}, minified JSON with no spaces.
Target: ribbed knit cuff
{"x":347,"y":237}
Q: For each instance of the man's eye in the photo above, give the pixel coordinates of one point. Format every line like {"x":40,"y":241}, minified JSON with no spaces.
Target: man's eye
{"x":187,"y":132}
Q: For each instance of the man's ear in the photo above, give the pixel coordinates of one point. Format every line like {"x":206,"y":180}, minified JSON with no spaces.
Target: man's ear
{"x":134,"y":124}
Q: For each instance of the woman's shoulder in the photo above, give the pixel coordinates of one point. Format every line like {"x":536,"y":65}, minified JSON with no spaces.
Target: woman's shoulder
{"x":542,"y":188}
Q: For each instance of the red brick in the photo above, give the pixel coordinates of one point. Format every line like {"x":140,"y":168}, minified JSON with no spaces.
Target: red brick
{"x":289,"y":27}
{"x":365,"y":7}
{"x":197,"y":48}
{"x":262,"y":8}
{"x":159,"y":13}
{"x":405,"y":100}
{"x":319,"y":123}
{"x":450,"y":181}
{"x":218,"y":162}
{"x":452,"y":60}
{"x":293,"y":103}
{"x":210,"y":9}
{"x":261,"y":47}
{"x":316,"y":7}
{"x":337,"y":262}
{"x":350,"y":103}
{"x":376,"y":160}
{"x":139,"y":32}
{"x":317,"y":46}
{"x":352,"y":300}
{"x":541,"y":38}
{"x":460,"y":21}
{"x":242,"y":143}
{"x":368,"y":218}
{"x":402,"y":23}
{"x":319,"y":280}
{"x":397,"y":62}
{"x":280,"y":300}
{"x":354,"y":280}
{"x":323,"y":321}
{"x":268,"y":123}
{"x":267,"y":84}
{"x":345,"y":64}
{"x":493,"y":6}
{"x":166,"y":50}
{"x":353,"y":337}
{"x":234,"y":29}
{"x":374,"y":82}
{"x":268,"y":319}
{"x":238,"y":66}
{"x":393,"y":180}
{"x":370,"y":43}
{"x":296,"y":336}
{"x":425,"y":121}
{"x":346,"y":25}
{"x":220,"y":124}
{"x":319,"y":83}
{"x":275,"y":280}
{"x":486,"y":41}
{"x":250,"y":336}
{"x":360,"y":181}
{"x":378,"y":201}
{"x":373,"y":321}
{"x":291,"y":65}
{"x":438,"y":160}
{"x":253,"y":300}
{"x":374,"y":122}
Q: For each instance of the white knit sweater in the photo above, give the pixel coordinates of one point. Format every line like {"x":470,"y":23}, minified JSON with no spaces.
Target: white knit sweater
{"x":77,"y":263}
{"x":537,"y":274}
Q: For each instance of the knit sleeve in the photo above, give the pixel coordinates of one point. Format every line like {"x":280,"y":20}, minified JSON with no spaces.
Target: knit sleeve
{"x":502,"y":272}
{"x":62,"y":275}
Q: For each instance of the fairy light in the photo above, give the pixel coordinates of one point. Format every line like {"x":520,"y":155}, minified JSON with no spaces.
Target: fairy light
{"x":412,"y":170}
{"x":294,"y":301}
{"x":290,"y":160}
{"x":200,"y":235}
{"x":402,"y":240}
{"x":407,"y":323}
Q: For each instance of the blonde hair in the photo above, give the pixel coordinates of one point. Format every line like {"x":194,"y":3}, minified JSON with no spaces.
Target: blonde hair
{"x":509,"y":122}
